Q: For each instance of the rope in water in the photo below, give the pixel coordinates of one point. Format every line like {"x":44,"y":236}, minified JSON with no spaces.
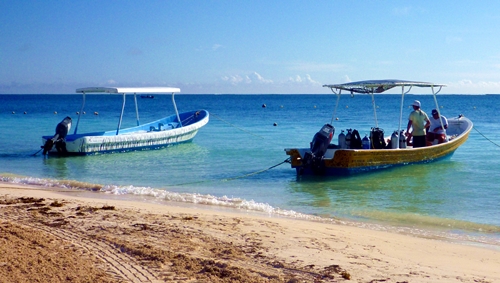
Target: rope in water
{"x":486,"y":137}
{"x":232,"y":178}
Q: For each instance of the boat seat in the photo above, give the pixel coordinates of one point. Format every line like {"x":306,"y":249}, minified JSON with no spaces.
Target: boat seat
{"x":163,"y":127}
{"x":173,"y":125}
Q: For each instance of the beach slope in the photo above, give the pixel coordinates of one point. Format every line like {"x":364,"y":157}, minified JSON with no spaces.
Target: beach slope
{"x":50,"y":235}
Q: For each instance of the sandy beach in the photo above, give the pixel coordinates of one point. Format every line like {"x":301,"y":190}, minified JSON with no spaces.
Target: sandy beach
{"x":50,"y":235}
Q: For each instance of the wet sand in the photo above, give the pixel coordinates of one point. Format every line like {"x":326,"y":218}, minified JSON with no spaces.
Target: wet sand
{"x":50,"y":235}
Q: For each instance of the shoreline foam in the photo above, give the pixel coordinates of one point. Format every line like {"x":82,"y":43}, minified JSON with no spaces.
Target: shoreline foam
{"x":176,"y":243}
{"x":413,"y":225}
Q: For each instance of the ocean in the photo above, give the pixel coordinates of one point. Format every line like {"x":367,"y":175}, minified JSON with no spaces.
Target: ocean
{"x":236,"y":162}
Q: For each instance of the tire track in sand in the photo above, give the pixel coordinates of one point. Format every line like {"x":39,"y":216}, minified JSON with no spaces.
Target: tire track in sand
{"x":119,"y":264}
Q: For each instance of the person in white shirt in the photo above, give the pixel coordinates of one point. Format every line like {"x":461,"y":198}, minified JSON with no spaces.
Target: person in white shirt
{"x":436,"y":131}
{"x":419,"y":121}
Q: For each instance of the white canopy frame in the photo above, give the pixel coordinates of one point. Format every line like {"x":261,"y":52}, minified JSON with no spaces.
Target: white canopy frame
{"x":124,"y":91}
{"x":378,"y":86}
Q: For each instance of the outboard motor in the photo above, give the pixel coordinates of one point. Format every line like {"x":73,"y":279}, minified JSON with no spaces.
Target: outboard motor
{"x":59,"y":139}
{"x":319,"y":146}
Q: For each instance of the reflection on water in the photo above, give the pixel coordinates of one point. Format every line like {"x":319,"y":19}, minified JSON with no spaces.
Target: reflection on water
{"x":402,"y":189}
{"x":56,"y":168}
{"x":126,"y":168}
{"x":413,"y":197}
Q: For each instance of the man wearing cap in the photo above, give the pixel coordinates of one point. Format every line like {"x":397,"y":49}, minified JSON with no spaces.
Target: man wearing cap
{"x":419,"y":121}
{"x":436,"y":131}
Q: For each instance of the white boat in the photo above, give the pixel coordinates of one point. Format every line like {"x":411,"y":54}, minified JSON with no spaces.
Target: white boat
{"x":164,"y":132}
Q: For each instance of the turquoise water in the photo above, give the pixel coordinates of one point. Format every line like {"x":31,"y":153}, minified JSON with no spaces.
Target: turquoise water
{"x":226,"y":164}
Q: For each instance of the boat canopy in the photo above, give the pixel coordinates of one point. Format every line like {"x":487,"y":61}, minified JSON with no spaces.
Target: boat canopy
{"x":379,"y":86}
{"x":130,"y":90}
{"x":124,"y":91}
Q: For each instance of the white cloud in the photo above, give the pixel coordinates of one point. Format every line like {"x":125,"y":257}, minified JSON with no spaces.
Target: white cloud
{"x":246,"y":79}
{"x":465,"y":82}
{"x":296,"y":79}
{"x":345,"y":79}
{"x":310,"y":80}
{"x":467,"y":86}
{"x":216,"y":46}
{"x":236,"y":79}
{"x":259,"y":78}
{"x":307,"y":80}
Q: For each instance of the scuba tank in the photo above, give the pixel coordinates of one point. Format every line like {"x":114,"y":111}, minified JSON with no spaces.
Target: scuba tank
{"x":377,"y":138}
{"x":366,"y":142}
{"x":342,"y":139}
{"x":348,"y":139}
{"x":402,"y":139}
{"x":356,"y":140}
{"x":394,"y":140}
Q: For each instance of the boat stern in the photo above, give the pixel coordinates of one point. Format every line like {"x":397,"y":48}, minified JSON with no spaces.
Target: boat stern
{"x":295,"y":157}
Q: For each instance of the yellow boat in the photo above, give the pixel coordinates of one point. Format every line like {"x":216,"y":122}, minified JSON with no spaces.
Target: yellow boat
{"x":325,"y":158}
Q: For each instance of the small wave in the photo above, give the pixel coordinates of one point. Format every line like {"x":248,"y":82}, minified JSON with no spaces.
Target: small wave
{"x":410,"y":224}
{"x":160,"y":194}
{"x":429,"y":222}
{"x":66,"y":184}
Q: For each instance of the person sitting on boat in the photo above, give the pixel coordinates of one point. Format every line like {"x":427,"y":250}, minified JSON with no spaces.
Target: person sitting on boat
{"x":419,"y":121}
{"x":436,"y":131}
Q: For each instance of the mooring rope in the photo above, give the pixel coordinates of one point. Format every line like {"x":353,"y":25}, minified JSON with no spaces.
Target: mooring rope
{"x":257,"y":172}
{"x":37,"y":152}
{"x":232,"y":178}
{"x":486,"y":137}
{"x":212,"y":114}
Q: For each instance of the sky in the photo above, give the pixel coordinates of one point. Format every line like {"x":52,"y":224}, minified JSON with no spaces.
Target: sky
{"x":247,"y":47}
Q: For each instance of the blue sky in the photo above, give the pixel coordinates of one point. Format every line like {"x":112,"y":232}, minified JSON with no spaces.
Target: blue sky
{"x":247,"y":47}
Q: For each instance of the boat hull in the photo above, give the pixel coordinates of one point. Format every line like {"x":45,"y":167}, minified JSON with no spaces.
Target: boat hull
{"x":154,"y":135}
{"x":342,"y":162}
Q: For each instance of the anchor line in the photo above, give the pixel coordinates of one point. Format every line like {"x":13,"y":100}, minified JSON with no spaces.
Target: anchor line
{"x":232,"y":125}
{"x":257,"y":172}
{"x":233,"y":178}
{"x":37,"y":152}
{"x":486,"y":137}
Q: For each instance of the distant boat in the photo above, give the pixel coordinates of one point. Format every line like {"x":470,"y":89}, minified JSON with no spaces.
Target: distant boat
{"x":170,"y":130}
{"x":147,"y":96}
{"x":324,"y":158}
